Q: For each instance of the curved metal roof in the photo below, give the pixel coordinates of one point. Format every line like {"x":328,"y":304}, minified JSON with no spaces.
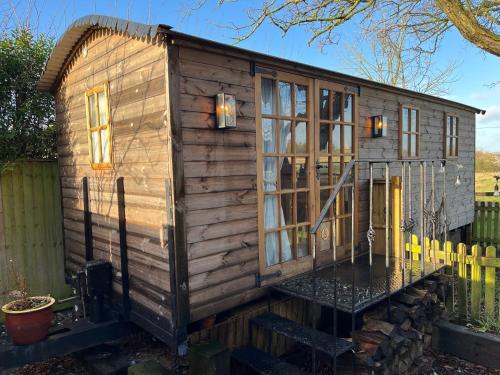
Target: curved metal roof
{"x":78,"y":29}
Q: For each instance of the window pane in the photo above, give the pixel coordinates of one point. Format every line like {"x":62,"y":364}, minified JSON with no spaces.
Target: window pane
{"x":448,"y":125}
{"x":287,"y":209}
{"x":413,"y":120}
{"x":404,"y":120}
{"x":336,"y":106}
{"x":348,"y":108}
{"x":285,"y":136}
{"x":336,"y":139}
{"x":268,"y":94}
{"x":324,"y":104}
{"x":324,"y":130}
{"x":285,"y":98}
{"x":286,"y":168}
{"x":302,"y":241}
{"x":455,"y":127}
{"x":300,"y":101}
{"x":347,"y":139}
{"x":103,"y":108}
{"x":272,"y":249}
{"x":93,"y":115}
{"x":94,"y":136}
{"x":269,"y":135}
{"x":404,"y":144}
{"x":453,"y":147}
{"x":286,"y":245}
{"x":271,"y":211}
{"x":105,"y":146}
{"x":270,"y":173}
{"x":448,"y":146}
{"x":301,"y":172}
{"x":301,"y":138}
{"x":302,"y":207}
{"x":413,"y":145}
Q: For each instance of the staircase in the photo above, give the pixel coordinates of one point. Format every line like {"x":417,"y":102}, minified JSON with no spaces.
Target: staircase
{"x":264,"y":363}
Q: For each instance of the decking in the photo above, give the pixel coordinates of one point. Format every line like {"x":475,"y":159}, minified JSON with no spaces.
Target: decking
{"x":371,"y":284}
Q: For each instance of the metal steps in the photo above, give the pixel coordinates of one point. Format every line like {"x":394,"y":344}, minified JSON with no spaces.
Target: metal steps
{"x":325,"y":343}
{"x":264,"y":363}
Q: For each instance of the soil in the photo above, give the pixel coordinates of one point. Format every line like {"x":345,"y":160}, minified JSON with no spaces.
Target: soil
{"x":28,"y":303}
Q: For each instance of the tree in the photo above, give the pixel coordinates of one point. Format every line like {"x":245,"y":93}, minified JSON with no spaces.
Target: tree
{"x":27,"y":128}
{"x":427,"y":21}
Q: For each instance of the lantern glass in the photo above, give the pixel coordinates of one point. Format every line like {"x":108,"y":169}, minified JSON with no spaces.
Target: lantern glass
{"x":379,"y":126}
{"x":226,"y":111}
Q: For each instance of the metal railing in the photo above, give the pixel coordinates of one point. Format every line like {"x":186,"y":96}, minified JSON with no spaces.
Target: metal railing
{"x":426,"y":215}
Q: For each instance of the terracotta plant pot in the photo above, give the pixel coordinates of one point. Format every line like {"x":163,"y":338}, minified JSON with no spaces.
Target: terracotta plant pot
{"x":28,"y":326}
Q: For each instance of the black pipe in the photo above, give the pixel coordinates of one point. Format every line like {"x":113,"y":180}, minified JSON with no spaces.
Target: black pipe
{"x":87,"y":221}
{"x":122,"y":228}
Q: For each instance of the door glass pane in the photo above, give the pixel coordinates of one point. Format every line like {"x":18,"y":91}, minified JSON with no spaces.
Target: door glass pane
{"x":413,"y":120}
{"x":285,"y":98}
{"x":347,"y":139}
{"x":347,"y":201}
{"x":404,"y":120}
{"x":268,"y":95}
{"x":286,"y":245}
{"x":94,"y":137}
{"x":301,"y":138}
{"x":302,"y":207}
{"x":92,"y":112}
{"x":413,"y":145}
{"x":272,"y":249}
{"x":269,"y":135}
{"x":323,"y":197}
{"x":324,"y":104}
{"x":335,"y":168}
{"x":348,"y":231}
{"x":302,"y":242}
{"x":323,"y":172}
{"x":285,"y":137}
{"x":336,"y":138}
{"x":300,"y":101}
{"x":348,"y":108}
{"x":404,"y":144}
{"x":324,"y":132}
{"x":103,"y":108}
{"x":271,"y":212}
{"x":286,"y":171}
{"x":270,"y":174}
{"x":287,"y":209}
{"x":301,"y":172}
{"x":105,"y":145}
{"x":337,"y":97}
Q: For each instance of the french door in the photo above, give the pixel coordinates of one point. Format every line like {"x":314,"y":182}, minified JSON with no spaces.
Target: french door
{"x":305,"y":133}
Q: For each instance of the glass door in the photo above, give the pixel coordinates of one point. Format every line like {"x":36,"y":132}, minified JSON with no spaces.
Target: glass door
{"x":335,"y":147}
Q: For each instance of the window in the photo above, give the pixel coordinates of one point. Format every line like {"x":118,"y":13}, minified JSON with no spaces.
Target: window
{"x":285,"y":126}
{"x":409,"y":146}
{"x":451,"y":139}
{"x":98,"y":126}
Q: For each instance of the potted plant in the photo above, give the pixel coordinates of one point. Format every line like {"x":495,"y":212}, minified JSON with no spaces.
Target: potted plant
{"x":27,"y":319}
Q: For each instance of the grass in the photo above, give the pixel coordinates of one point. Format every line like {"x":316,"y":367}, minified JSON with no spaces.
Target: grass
{"x":485,"y":182}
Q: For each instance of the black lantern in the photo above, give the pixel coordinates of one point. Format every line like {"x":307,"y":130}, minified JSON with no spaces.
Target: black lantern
{"x":379,"y":126}
{"x":225,"y":111}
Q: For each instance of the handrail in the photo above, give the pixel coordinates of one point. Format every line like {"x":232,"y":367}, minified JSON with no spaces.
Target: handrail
{"x":332,"y":196}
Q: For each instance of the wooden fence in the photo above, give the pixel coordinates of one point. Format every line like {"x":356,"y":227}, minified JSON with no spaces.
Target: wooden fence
{"x":31,"y":228}
{"x":475,"y":291}
{"x":486,"y":230}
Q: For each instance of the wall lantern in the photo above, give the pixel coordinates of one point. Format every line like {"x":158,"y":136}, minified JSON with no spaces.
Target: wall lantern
{"x":379,"y":126}
{"x":225,"y":111}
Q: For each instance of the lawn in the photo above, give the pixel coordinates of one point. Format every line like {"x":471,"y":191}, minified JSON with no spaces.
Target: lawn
{"x":485,"y":182}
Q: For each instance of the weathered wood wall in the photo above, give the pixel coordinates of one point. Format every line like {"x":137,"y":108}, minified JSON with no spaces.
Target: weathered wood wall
{"x":31,"y":228}
{"x":135,"y":71}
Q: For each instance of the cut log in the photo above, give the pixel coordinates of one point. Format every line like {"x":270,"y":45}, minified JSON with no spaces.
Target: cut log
{"x":407,"y":298}
{"x":374,"y":343}
{"x":386,"y":328}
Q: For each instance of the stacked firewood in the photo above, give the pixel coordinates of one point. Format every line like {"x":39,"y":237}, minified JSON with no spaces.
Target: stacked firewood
{"x":392,"y":342}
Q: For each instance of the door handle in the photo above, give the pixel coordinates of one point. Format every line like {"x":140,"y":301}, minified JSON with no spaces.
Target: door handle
{"x":318,"y":169}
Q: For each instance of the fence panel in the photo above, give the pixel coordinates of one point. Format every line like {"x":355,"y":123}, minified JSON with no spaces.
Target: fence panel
{"x":31,"y":228}
{"x":486,"y":228}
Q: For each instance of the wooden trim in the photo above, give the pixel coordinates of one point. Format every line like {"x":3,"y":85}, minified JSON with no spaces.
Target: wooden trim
{"x":181,"y":315}
{"x":418,"y":133}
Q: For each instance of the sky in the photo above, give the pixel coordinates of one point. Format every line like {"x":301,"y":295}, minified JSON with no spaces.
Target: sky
{"x":473,"y":82}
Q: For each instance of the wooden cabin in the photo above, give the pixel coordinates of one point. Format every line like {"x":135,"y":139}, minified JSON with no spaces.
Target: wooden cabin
{"x":219,"y":207}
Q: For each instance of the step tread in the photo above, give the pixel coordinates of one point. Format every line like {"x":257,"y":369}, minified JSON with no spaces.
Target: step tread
{"x":325,"y":343}
{"x":264,"y":363}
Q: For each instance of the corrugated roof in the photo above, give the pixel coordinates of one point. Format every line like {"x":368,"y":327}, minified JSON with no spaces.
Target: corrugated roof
{"x":76,"y":31}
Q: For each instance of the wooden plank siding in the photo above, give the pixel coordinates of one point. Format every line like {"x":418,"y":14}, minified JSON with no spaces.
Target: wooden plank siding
{"x":135,"y":71}
{"x":220,"y":181}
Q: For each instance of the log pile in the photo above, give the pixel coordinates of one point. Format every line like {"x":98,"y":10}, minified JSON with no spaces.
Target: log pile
{"x":393,"y":343}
